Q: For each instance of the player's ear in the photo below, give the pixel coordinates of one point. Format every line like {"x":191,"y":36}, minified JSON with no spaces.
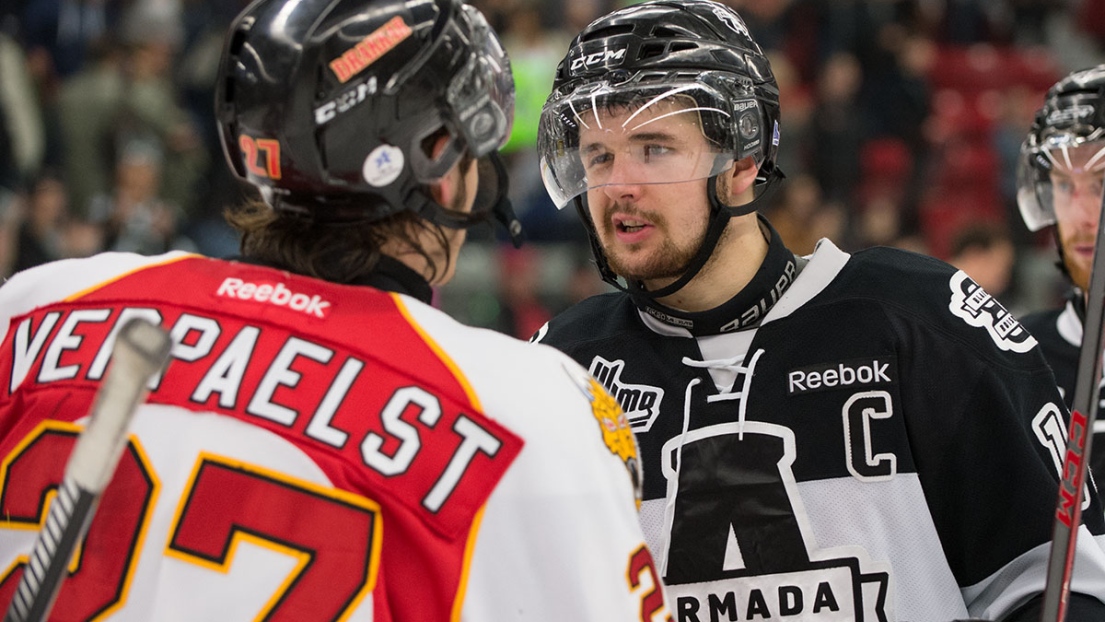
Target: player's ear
{"x":743,"y":175}
{"x":735,"y":184}
{"x":444,"y":190}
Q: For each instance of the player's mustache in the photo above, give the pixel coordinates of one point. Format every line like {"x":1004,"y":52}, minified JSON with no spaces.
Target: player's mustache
{"x":630,"y":211}
{"x":1082,"y":239}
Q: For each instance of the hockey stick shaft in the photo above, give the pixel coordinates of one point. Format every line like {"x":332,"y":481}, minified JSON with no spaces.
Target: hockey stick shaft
{"x":140,"y":350}
{"x":1068,"y":513}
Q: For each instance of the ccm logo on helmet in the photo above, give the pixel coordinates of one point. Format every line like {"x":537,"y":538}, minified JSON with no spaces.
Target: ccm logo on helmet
{"x":345,"y":101}
{"x":275,"y":295}
{"x":1073,"y":114}
{"x":605,"y":56}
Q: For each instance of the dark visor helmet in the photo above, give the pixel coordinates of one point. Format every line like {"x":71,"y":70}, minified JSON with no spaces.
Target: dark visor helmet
{"x":689,"y":63}
{"x":1071,"y":120}
{"x":325,"y":105}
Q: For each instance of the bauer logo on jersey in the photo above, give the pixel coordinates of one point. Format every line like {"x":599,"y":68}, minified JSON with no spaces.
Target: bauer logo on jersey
{"x":973,"y":305}
{"x":847,"y":374}
{"x":640,"y":402}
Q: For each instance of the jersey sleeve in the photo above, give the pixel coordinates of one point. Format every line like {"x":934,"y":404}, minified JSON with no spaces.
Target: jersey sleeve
{"x":987,"y":427}
{"x":560,"y":537}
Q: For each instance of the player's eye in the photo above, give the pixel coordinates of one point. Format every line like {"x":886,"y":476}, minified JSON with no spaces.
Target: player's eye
{"x":656,"y":151}
{"x":600,"y":159}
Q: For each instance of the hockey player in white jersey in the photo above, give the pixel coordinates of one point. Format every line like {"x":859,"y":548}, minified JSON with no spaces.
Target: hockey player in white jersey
{"x":1059,"y":180}
{"x":324,"y":444}
{"x":833,"y":437}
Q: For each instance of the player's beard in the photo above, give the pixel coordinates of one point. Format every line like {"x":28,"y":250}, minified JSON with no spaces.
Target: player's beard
{"x":669,"y":261}
{"x":1078,"y":272}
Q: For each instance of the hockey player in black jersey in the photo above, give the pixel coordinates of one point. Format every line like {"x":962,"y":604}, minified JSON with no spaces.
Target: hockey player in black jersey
{"x":1059,"y":181}
{"x":832,"y":437}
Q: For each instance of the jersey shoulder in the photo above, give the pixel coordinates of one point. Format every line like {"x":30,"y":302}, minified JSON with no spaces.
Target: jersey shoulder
{"x":503,"y":368}
{"x":598,"y":318}
{"x":896,"y":275}
{"x":66,"y":277}
{"x":538,"y":392}
{"x":925,"y":292}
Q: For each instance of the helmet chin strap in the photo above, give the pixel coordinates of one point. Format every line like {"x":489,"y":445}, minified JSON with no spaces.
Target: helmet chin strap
{"x":501,"y":210}
{"x":720,"y":214}
{"x":349,"y":209}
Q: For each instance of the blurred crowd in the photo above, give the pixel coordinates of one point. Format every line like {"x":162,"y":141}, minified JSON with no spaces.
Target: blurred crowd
{"x":901,"y":124}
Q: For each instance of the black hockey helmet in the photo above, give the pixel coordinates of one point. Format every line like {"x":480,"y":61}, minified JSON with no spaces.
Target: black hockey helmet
{"x":325,"y":105}
{"x":1071,"y":119}
{"x":666,"y":58}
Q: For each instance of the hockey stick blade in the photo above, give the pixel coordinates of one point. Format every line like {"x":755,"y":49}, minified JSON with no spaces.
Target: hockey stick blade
{"x":141,"y":349}
{"x":1068,"y":511}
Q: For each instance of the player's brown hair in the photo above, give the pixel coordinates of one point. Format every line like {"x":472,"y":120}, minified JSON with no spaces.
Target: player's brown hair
{"x":340,"y":252}
{"x":336,"y":252}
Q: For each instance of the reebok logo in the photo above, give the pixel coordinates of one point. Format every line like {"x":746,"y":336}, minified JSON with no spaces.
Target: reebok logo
{"x":278,"y":295}
{"x":845,"y":374}
{"x":640,"y":402}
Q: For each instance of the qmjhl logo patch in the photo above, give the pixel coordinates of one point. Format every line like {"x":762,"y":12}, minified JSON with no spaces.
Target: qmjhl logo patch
{"x":640,"y":402}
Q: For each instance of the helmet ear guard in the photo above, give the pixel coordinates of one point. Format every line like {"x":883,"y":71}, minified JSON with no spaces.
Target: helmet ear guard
{"x":326,"y":106}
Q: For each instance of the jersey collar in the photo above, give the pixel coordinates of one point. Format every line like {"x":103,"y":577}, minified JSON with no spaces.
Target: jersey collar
{"x":390,"y":275}
{"x":744,"y":310}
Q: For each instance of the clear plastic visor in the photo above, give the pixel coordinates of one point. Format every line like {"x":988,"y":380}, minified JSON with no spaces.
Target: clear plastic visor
{"x":1064,"y":173}
{"x":607,"y":136}
{"x":481,"y":91}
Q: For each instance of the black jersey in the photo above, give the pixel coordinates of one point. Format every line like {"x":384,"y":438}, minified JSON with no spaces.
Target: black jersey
{"x":883,"y":445}
{"x":1059,"y":332}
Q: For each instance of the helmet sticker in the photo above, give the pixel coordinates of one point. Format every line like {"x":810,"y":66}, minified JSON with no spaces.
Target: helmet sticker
{"x":726,"y":15}
{"x":261,"y":156}
{"x":383,"y":165}
{"x":370,"y":49}
{"x":775,"y":135}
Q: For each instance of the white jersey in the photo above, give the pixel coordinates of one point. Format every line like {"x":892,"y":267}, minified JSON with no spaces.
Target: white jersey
{"x":316,"y":452}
